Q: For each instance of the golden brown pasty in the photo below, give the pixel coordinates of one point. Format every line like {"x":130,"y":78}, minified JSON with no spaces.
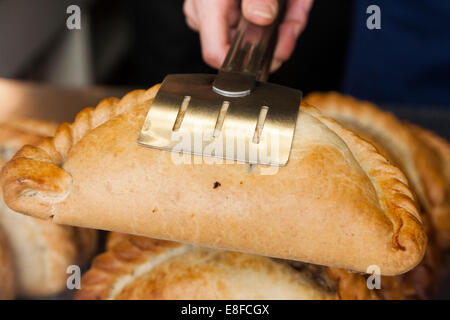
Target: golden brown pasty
{"x":338,"y":202}
{"x":424,"y":157}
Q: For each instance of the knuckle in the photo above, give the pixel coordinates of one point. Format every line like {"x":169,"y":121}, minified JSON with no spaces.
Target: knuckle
{"x":187,"y":8}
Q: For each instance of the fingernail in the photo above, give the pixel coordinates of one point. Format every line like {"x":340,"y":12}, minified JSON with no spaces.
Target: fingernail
{"x":264,"y":10}
{"x":296,"y":29}
{"x":276,"y":64}
{"x":308,"y":4}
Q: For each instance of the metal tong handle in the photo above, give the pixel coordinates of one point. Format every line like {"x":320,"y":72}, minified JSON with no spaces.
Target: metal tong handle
{"x":249,"y":57}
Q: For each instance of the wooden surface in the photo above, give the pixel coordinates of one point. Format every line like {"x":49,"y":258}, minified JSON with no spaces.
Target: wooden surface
{"x":27,"y":99}
{"x":19,"y":98}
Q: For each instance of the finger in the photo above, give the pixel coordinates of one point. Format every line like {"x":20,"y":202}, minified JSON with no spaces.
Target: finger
{"x":275,"y":65}
{"x":261,"y":12}
{"x":213,"y":31}
{"x":290,"y":29}
{"x":189,"y":9}
{"x":191,"y":14}
{"x":192,"y":24}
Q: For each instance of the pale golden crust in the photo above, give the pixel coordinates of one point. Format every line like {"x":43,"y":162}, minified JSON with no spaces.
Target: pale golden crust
{"x":422,"y":159}
{"x":7,"y":272}
{"x":142,"y":268}
{"x":437,"y":161}
{"x":396,"y":142}
{"x":374,"y":219}
{"x":41,"y":163}
{"x":41,"y":250}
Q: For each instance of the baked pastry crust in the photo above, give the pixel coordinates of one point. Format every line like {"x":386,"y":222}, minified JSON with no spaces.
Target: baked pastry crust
{"x":422,"y":155}
{"x":7,"y":272}
{"x":437,"y":151}
{"x":136,"y":267}
{"x":41,"y":250}
{"x":399,"y":142}
{"x":338,"y":202}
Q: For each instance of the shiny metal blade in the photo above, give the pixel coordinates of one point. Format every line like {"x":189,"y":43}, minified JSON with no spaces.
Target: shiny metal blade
{"x":188,"y":116}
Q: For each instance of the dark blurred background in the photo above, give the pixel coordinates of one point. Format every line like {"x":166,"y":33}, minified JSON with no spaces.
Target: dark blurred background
{"x":136,"y":43}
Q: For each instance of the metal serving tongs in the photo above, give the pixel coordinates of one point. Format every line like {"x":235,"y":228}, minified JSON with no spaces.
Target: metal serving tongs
{"x":233,"y":115}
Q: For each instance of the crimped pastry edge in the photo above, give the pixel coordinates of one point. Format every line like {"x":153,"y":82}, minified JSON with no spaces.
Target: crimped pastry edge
{"x":431,"y":188}
{"x":441,"y":212}
{"x":399,"y":205}
{"x":42,"y":181}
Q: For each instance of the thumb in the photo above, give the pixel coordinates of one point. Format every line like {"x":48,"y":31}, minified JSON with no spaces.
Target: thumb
{"x":260,"y":12}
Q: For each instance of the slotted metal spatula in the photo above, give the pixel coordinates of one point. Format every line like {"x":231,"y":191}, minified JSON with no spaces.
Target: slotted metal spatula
{"x":233,"y":115}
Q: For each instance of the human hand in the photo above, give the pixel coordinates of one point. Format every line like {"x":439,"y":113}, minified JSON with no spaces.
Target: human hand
{"x":216,"y":21}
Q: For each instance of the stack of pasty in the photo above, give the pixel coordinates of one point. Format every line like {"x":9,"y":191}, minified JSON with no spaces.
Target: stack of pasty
{"x":142,"y":268}
{"x":39,"y":251}
{"x":338,"y":203}
{"x":425,"y":159}
{"x":136,"y":267}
